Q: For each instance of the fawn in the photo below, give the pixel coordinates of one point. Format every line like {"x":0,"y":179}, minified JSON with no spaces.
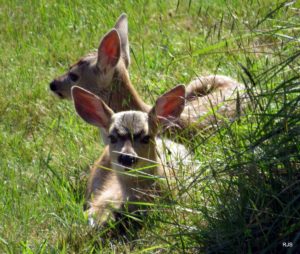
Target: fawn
{"x":132,"y":150}
{"x":105,"y":73}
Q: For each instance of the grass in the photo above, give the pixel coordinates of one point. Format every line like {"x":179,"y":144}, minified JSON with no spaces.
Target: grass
{"x":245,"y":195}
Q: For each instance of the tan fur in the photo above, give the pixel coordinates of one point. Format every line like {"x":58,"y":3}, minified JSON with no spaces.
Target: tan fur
{"x":113,"y":86}
{"x":99,"y":172}
{"x":211,"y":100}
{"x":113,"y":187}
{"x":107,"y":190}
{"x":205,"y":94}
{"x":131,"y":154}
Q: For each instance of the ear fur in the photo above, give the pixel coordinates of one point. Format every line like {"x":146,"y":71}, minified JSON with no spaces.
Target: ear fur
{"x":109,"y":50}
{"x":91,"y":108}
{"x":169,"y":106}
{"x":122,"y":28}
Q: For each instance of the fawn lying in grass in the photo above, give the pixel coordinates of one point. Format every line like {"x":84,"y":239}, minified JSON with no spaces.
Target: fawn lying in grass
{"x":105,"y":73}
{"x":131,"y":153}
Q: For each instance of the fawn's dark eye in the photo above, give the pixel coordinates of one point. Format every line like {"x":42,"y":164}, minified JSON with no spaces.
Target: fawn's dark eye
{"x":73,"y":77}
{"x":145,"y":140}
{"x":112,"y":139}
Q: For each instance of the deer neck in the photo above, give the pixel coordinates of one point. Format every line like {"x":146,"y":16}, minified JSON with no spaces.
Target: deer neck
{"x":123,"y":95}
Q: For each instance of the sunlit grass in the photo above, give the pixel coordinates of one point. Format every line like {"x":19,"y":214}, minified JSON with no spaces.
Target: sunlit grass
{"x":244,"y":197}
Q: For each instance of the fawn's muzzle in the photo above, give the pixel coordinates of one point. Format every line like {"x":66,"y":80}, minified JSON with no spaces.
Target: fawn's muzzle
{"x":127,"y":160}
{"x":53,"y":86}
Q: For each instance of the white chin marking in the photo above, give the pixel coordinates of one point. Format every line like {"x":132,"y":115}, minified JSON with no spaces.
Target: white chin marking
{"x":91,"y":222}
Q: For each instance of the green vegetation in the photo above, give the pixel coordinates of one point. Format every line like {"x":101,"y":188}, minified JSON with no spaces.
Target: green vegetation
{"x":245,"y":196}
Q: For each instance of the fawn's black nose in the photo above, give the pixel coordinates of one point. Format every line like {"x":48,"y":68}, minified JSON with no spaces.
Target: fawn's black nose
{"x":53,"y":86}
{"x":127,"y":160}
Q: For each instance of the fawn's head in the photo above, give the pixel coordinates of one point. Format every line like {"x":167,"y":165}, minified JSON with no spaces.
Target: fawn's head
{"x":131,"y":133}
{"x":95,"y":71}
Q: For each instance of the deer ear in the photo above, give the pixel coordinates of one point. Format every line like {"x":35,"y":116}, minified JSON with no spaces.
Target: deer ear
{"x":169,"y":106}
{"x":91,"y":108}
{"x":122,"y":28}
{"x":109,"y":50}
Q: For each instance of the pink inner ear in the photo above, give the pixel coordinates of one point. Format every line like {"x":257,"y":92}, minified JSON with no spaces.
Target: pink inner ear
{"x":110,"y":47}
{"x":171,"y":107}
{"x":89,"y":108}
{"x":110,"y":50}
{"x":171,"y":104}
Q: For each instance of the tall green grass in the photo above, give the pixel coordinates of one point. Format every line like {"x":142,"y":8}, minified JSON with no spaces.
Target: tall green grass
{"x":244,"y":197}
